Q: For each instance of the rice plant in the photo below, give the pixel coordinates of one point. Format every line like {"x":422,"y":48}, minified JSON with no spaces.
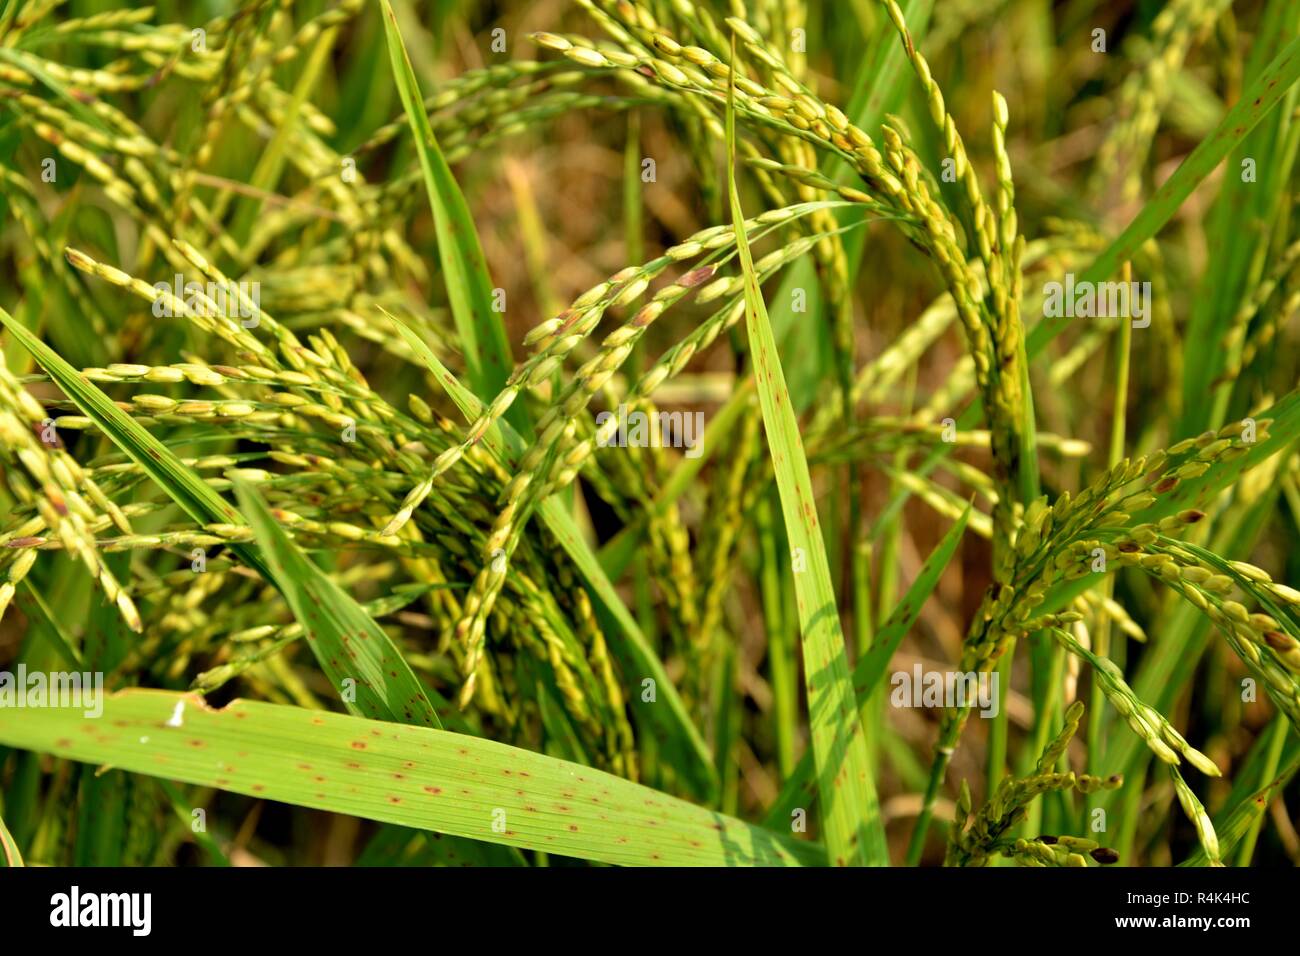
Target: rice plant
{"x":649,"y":432}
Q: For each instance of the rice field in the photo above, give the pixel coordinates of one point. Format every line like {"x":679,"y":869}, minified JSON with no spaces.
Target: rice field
{"x":649,"y":432}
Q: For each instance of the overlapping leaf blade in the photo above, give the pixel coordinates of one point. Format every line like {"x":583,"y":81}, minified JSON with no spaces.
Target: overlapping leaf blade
{"x":412,"y":776}
{"x":9,"y":855}
{"x":871,"y":667}
{"x":159,"y":462}
{"x":481,"y":332}
{"x":853,"y":826}
{"x":355,"y":653}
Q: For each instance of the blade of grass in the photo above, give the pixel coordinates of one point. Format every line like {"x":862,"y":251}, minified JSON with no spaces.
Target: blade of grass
{"x":784,"y":676}
{"x":854,"y":829}
{"x":202,"y":837}
{"x":48,"y":625}
{"x":1244,"y":817}
{"x":871,"y":667}
{"x":1240,"y":225}
{"x":1273,"y":756}
{"x":1101,"y":633}
{"x":487,"y":351}
{"x":355,"y":652}
{"x":411,"y":776}
{"x":100,"y":818}
{"x":191,"y":493}
{"x":9,"y":854}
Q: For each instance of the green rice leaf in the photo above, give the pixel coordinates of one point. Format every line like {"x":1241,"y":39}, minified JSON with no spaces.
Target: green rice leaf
{"x":871,"y":666}
{"x":183,"y":809}
{"x":487,"y":351}
{"x":101,"y":826}
{"x":355,"y":653}
{"x":9,"y":855}
{"x":1253,"y":106}
{"x":854,"y":830}
{"x":333,"y":614}
{"x":411,"y":776}
{"x":1232,"y":827}
{"x":48,"y":625}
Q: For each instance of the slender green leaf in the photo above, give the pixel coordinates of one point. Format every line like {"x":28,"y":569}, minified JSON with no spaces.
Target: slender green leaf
{"x":1255,"y":102}
{"x":47,"y":624}
{"x":855,"y":832}
{"x":9,"y":855}
{"x":411,"y":776}
{"x":871,"y":669}
{"x":1240,"y":228}
{"x":871,"y":666}
{"x":183,"y":809}
{"x":354,"y":651}
{"x":487,"y":351}
{"x":372,"y":659}
{"x":1233,"y":826}
{"x":181,"y":483}
{"x":101,"y":818}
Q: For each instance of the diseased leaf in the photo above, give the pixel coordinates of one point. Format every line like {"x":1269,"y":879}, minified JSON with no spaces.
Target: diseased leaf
{"x":353,"y":650}
{"x":855,"y":832}
{"x":411,"y":776}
